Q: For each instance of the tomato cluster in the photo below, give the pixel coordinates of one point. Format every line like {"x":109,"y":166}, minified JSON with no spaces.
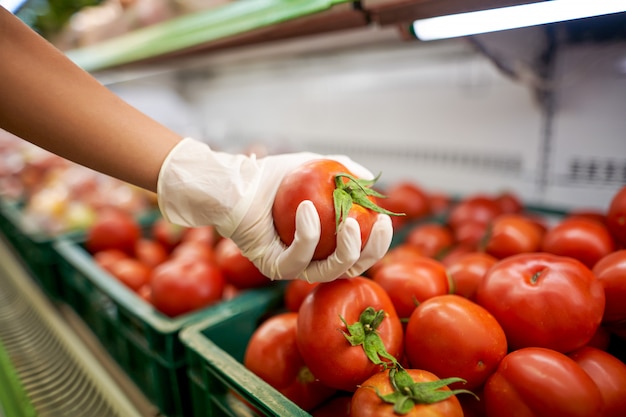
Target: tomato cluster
{"x":176,"y":269}
{"x":490,"y":311}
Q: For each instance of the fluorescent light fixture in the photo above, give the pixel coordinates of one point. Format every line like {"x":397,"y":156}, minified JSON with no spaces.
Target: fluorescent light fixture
{"x":532,"y":14}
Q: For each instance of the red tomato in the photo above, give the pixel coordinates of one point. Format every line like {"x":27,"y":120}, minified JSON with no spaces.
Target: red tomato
{"x":510,"y":234}
{"x":609,"y":374}
{"x":467,"y":270}
{"x":588,"y":214}
{"x":509,"y":202}
{"x":131,"y":272}
{"x":272,"y":354}
{"x":580,"y":238}
{"x":409,"y":283}
{"x":616,"y":216}
{"x":398,"y":253}
{"x":180,"y":286}
{"x":470,"y":234}
{"x":601,"y":338}
{"x":439,"y":202}
{"x":106,"y":258}
{"x":406,"y":197}
{"x":432,"y":239}
{"x":477,"y":208}
{"x":166,"y":233}
{"x":338,"y":406}
{"x":543,"y":300}
{"x":366,"y":401}
{"x":150,"y":252}
{"x":321,"y":330}
{"x":452,"y":336}
{"x":113,"y":229}
{"x":541,"y":382}
{"x":194,"y":250}
{"x":145,"y":293}
{"x":315,"y":181}
{"x":611,"y":272}
{"x":205,"y":234}
{"x":455,"y":252}
{"x":295,"y":293}
{"x":237,"y":269}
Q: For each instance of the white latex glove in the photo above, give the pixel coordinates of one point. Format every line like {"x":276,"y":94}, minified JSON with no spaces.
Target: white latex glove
{"x":198,"y":186}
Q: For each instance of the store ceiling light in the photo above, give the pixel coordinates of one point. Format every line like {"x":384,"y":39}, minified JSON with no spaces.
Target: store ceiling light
{"x":504,"y":18}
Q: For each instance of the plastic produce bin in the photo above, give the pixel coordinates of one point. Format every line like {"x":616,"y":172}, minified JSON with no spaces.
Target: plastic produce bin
{"x":142,"y":340}
{"x":217,"y":377}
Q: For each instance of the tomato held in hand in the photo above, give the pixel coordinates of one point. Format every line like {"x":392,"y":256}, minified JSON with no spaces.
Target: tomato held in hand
{"x":366,"y":401}
{"x":336,"y":196}
{"x":611,"y":272}
{"x":543,"y":300}
{"x":580,"y":238}
{"x":616,"y":216}
{"x":452,"y":336}
{"x":113,"y":229}
{"x":272,"y":354}
{"x":183,"y":285}
{"x":541,"y":382}
{"x":411,"y":282}
{"x":609,"y":374}
{"x":324,"y":338}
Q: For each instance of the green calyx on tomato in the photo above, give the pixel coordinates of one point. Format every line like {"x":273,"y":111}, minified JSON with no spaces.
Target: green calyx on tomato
{"x":355,"y":191}
{"x":407,"y":393}
{"x":364,"y":333}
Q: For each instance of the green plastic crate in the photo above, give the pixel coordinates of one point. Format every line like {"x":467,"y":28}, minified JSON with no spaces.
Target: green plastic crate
{"x":142,"y":340}
{"x":217,"y":377}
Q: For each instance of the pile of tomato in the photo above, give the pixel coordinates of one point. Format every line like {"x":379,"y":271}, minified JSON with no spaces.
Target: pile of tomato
{"x":177,"y":269}
{"x":489,"y":310}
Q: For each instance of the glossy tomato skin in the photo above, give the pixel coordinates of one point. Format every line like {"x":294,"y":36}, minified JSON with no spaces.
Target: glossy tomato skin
{"x":320,"y":336}
{"x":411,"y":282}
{"x":399,"y":253}
{"x":543,"y":300}
{"x":296,"y":291}
{"x":367,"y":403}
{"x":540,"y":382}
{"x":452,"y":336}
{"x":237,"y":269}
{"x":609,"y":374}
{"x":406,"y":197}
{"x":611,"y":272}
{"x":315,"y":181}
{"x":180,"y":286}
{"x":272,"y":354}
{"x":580,"y":238}
{"x":476,"y":208}
{"x":510,"y":234}
{"x":193,"y":250}
{"x":432,"y":239}
{"x":113,"y":229}
{"x":509,"y":202}
{"x":616,"y":216}
{"x":467,"y":271}
{"x":150,"y":252}
{"x":131,"y":272}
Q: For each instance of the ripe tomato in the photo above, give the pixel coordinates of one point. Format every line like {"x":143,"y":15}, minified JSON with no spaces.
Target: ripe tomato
{"x":616,"y":216}
{"x":183,"y":285}
{"x":406,"y":197}
{"x":194,"y":250}
{"x":580,"y":238}
{"x":467,"y":270}
{"x":322,"y":327}
{"x":272,"y":354}
{"x":409,"y":283}
{"x":609,"y":374}
{"x":315,"y":181}
{"x":432,"y":239}
{"x":510,"y":234}
{"x":150,"y":252}
{"x":541,"y":382}
{"x":106,"y":258}
{"x":131,"y":272}
{"x":398,"y":253}
{"x":611,"y":272}
{"x":296,"y":291}
{"x":113,"y":229}
{"x":509,"y":202}
{"x":366,"y":401}
{"x":237,"y":269}
{"x":470,"y":234}
{"x":543,"y":300}
{"x":476,"y":208}
{"x":205,"y":234}
{"x":452,"y":336}
{"x":440,"y":202}
{"x":166,"y":233}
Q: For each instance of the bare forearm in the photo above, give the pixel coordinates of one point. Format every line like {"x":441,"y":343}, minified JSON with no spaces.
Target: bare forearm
{"x":49,"y":101}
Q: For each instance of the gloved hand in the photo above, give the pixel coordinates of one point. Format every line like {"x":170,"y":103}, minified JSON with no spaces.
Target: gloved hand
{"x":198,"y":186}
